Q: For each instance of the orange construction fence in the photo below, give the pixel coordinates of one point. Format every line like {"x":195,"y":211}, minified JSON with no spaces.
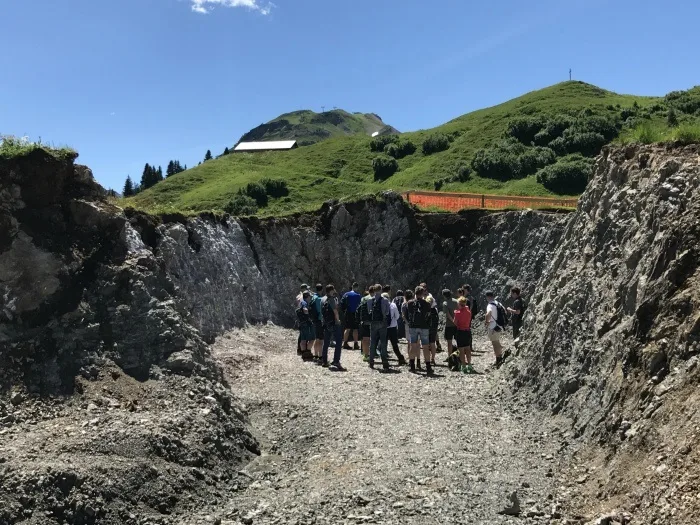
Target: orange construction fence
{"x":459,"y":201}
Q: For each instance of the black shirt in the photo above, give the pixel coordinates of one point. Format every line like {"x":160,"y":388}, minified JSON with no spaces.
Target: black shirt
{"x":518,"y":305}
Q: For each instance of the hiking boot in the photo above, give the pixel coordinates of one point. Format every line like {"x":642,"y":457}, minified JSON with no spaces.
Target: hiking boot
{"x":429,"y":370}
{"x":324,"y":364}
{"x":506,"y":355}
{"x":402,"y":361}
{"x":432,"y":363}
{"x":356,"y":347}
{"x":365,"y":358}
{"x":499,"y":361}
{"x":412,"y":364}
{"x":371,"y":364}
{"x":338,"y":367}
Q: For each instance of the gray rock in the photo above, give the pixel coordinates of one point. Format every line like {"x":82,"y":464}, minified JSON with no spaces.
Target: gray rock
{"x":512,"y":508}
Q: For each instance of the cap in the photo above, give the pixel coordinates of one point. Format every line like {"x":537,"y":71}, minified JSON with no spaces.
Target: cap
{"x":304,"y":286}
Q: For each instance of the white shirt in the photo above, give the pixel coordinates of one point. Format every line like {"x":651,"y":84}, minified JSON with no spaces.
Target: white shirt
{"x":394,"y":310}
{"x":493,"y":310}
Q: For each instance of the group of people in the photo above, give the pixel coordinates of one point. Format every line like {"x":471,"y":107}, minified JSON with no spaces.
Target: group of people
{"x":372,"y":319}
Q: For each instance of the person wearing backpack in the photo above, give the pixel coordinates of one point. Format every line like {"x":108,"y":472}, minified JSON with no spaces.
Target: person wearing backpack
{"x":392,"y":332}
{"x":318,"y":321}
{"x":380,"y":313}
{"x":363,"y":321}
{"x":516,"y":312}
{"x":297,"y":303}
{"x":401,"y":327}
{"x":496,"y":321}
{"x":333,"y":329}
{"x":418,"y":320}
{"x":349,"y":304}
{"x":307,"y":333}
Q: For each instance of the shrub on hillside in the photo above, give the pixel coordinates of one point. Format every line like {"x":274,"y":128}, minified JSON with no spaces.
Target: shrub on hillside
{"x":554,"y":129}
{"x":275,"y":188}
{"x":510,"y":159}
{"x":671,"y":118}
{"x":257,"y":192}
{"x":524,"y":129}
{"x":435,"y":143}
{"x":379,"y":143}
{"x":241,"y":205}
{"x":568,"y":176}
{"x":384,"y":167}
{"x":535,"y":158}
{"x":406,"y":148}
{"x":392,"y":150}
{"x":685,"y":101}
{"x":588,"y":144}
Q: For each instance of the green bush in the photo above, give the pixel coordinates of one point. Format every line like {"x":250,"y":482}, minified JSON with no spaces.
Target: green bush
{"x":685,"y":101}
{"x":257,"y":192}
{"x":535,"y":158}
{"x":275,"y":188}
{"x":671,"y":118}
{"x":463,"y":173}
{"x":379,"y":143}
{"x":687,"y":133}
{"x":435,"y":143}
{"x":392,"y":150}
{"x":406,"y":148}
{"x":384,"y":167}
{"x":510,"y":159}
{"x":569,"y":176}
{"x":524,"y":129}
{"x":241,"y":205}
{"x":554,"y":129}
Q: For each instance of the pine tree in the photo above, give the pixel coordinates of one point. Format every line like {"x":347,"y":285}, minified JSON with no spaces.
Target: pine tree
{"x":671,"y":118}
{"x":170,"y":170}
{"x":159,"y":174}
{"x":128,"y":187}
{"x":226,"y":151}
{"x":208,"y":156}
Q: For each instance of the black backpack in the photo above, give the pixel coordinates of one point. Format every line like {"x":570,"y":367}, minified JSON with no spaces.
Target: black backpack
{"x":362,"y":313}
{"x":501,"y":316}
{"x":376,"y":315}
{"x":416,"y":314}
{"x":302,"y":317}
{"x":327,"y":313}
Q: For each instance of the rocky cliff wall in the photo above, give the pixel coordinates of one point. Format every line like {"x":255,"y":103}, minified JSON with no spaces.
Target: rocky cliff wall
{"x":230,"y":273}
{"x":615,"y":334}
{"x":106,"y":387}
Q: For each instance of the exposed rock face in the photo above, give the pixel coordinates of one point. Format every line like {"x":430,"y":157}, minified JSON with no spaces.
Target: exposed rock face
{"x":106,"y":388}
{"x":615,"y":331}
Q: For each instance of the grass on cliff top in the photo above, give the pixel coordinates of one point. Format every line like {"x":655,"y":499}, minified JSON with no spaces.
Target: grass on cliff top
{"x":342,"y":166}
{"x":656,"y":131}
{"x":13,"y":147}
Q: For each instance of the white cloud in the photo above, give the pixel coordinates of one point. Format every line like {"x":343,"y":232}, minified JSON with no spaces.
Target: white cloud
{"x":205,"y":6}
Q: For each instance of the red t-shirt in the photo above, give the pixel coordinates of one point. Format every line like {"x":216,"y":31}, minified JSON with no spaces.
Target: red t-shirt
{"x":463,"y":318}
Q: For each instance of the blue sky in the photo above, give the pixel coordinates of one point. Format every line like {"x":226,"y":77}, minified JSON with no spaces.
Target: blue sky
{"x":127,"y":82}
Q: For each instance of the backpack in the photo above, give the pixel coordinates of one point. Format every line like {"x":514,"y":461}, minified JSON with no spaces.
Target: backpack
{"x":362,"y":313}
{"x":302,"y":317}
{"x":376,"y":315}
{"x":501,"y":316}
{"x":315,"y":307}
{"x":398,"y":301}
{"x":327,"y":313}
{"x":416,"y":315}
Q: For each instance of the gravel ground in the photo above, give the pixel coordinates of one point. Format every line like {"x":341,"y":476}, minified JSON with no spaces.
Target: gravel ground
{"x":368,"y":447}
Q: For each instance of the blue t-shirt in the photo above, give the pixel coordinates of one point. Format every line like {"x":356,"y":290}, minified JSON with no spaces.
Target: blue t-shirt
{"x":352,"y":300}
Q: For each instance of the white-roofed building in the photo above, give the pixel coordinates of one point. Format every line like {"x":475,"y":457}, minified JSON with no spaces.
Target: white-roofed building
{"x":278,"y":145}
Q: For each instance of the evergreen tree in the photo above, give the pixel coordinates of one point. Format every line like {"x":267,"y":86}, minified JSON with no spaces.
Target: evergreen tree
{"x":159,"y":174}
{"x":170,"y":170}
{"x":208,"y":156}
{"x":226,"y":151}
{"x":128,"y":187}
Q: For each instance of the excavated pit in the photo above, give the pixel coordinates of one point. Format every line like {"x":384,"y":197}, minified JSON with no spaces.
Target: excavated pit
{"x":106,"y":316}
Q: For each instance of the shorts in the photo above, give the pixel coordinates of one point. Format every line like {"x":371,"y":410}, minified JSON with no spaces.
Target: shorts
{"x":432,"y":335}
{"x":494,"y":335}
{"x":450,"y":333}
{"x":365,"y":331}
{"x":416,"y":334}
{"x":318,"y":328}
{"x":464,"y":338}
{"x":351,"y":321}
{"x":307,"y":332}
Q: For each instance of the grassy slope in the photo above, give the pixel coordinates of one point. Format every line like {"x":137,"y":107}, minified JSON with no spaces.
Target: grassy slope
{"x":307,"y":169}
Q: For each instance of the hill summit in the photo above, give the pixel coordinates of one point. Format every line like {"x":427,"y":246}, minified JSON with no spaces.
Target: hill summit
{"x":308,"y":127}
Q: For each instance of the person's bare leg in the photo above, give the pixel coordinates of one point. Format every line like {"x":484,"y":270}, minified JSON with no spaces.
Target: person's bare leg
{"x":433,"y":351}
{"x":365,"y":346}
{"x":462,"y":356}
{"x":318,"y":347}
{"x":497,"y":348}
{"x":356,"y":337}
{"x":469,"y":355}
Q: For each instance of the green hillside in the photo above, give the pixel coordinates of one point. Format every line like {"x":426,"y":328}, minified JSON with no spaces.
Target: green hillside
{"x":308,"y":127}
{"x":551,"y":134}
